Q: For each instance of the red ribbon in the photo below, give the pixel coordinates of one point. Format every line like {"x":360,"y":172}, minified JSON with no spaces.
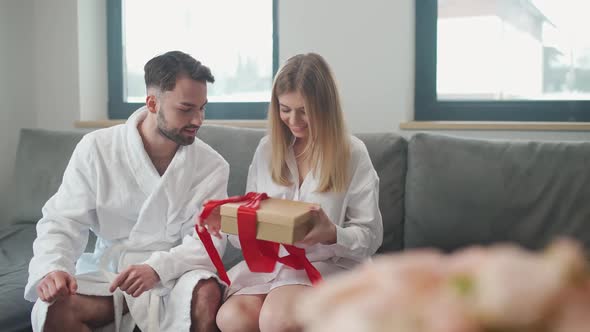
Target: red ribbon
{"x":260,"y":255}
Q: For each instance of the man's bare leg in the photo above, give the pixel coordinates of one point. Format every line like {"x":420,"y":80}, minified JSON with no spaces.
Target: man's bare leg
{"x":80,"y":313}
{"x":204,"y":305}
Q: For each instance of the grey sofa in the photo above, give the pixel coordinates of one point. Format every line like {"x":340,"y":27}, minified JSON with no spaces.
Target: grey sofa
{"x":435,"y":191}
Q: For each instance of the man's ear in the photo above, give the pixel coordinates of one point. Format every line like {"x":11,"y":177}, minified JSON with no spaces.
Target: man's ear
{"x":151,"y":101}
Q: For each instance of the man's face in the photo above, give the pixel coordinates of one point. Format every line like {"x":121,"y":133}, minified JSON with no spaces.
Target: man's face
{"x":182,"y":110}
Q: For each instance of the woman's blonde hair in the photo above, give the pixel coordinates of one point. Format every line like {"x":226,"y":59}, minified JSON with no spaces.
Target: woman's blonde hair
{"x":328,"y":146}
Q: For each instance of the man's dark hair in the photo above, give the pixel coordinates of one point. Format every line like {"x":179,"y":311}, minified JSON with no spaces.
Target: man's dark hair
{"x":163,"y":70}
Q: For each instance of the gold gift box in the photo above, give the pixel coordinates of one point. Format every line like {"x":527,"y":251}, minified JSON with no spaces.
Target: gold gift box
{"x":279,"y":220}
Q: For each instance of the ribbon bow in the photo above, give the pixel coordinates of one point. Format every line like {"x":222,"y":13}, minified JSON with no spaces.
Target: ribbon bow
{"x":260,"y":255}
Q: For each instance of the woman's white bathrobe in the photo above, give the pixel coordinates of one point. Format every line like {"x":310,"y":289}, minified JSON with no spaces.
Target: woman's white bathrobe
{"x":110,"y":187}
{"x":355,"y":212}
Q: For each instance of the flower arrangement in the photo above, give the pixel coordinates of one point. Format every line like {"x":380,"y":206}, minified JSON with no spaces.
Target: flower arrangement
{"x":501,"y":288}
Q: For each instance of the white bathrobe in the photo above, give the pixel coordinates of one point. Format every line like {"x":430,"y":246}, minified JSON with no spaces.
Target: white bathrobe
{"x":110,"y":187}
{"x":359,"y":227}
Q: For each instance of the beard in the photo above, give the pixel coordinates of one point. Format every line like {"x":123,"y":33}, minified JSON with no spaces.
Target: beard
{"x":174,"y":134}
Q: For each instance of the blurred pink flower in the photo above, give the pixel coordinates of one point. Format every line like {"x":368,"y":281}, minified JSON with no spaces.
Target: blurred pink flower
{"x":473,"y":290}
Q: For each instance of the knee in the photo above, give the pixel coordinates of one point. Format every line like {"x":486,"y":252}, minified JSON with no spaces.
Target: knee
{"x":206,"y":301}
{"x":277,"y":319}
{"x":237,"y":317}
{"x":60,"y":314}
{"x":207,"y":292}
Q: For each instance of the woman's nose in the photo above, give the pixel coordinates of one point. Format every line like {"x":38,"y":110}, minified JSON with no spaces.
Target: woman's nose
{"x":293,"y":118}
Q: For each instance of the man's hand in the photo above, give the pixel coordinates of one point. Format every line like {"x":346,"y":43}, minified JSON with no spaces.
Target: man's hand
{"x":212,"y":223}
{"x":323,"y":230}
{"x":135,"y":280}
{"x":56,"y":284}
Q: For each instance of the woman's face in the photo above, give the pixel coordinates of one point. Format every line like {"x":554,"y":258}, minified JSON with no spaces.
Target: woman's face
{"x":293,"y":115}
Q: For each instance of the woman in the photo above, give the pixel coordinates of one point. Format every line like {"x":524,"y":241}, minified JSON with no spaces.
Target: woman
{"x":309,"y":157}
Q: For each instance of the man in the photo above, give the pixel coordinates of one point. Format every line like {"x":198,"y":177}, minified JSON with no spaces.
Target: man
{"x":138,"y":187}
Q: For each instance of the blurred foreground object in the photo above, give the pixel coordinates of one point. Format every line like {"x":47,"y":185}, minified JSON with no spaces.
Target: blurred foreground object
{"x":477,"y":289}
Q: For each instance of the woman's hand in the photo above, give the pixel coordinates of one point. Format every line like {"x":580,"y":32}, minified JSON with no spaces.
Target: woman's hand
{"x":212,"y":223}
{"x":323,"y":230}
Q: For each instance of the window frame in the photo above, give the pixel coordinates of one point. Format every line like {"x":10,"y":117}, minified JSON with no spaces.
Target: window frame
{"x":429,"y":108}
{"x":118,"y":108}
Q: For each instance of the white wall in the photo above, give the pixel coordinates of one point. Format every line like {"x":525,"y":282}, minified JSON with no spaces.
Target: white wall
{"x":92,"y":59}
{"x":56,"y":61}
{"x":16,"y":85}
{"x":369,"y":45}
{"x":71,"y":61}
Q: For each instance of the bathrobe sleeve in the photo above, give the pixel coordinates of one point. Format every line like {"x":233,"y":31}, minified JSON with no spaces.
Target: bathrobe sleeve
{"x":62,"y":232}
{"x":191,"y":254}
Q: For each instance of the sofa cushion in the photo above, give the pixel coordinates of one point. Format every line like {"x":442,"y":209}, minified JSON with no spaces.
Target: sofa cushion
{"x":15,"y":252}
{"x":41,"y":159}
{"x":464,"y":191}
{"x":388,"y":154}
{"x":237,"y":146}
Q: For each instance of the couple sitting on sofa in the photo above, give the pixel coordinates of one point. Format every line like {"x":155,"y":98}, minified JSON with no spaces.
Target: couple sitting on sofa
{"x":139,"y":187}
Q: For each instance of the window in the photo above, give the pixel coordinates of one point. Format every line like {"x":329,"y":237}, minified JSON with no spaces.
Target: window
{"x":237,"y":39}
{"x":502,"y":60}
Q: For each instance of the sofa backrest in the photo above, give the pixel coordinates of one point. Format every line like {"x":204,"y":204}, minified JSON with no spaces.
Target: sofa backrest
{"x":456,"y":191}
{"x":237,"y":146}
{"x":41,"y":160}
{"x":43,"y":156}
{"x":466,"y":191}
{"x":387,"y":152}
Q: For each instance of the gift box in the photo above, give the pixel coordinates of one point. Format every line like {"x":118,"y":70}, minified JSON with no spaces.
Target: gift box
{"x":279,"y":220}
